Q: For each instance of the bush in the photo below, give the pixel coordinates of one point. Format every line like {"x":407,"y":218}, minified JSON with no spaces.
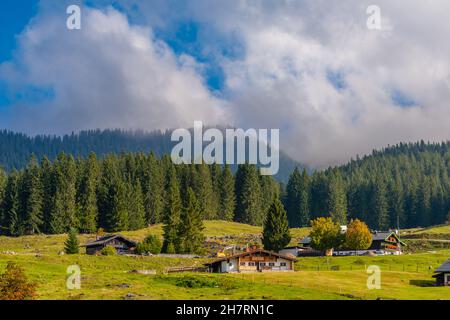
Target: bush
{"x":151,"y":244}
{"x":108,"y":251}
{"x":14,"y":284}
{"x":71,"y":244}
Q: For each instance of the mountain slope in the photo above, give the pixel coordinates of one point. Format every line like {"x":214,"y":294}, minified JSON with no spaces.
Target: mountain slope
{"x":16,"y":148}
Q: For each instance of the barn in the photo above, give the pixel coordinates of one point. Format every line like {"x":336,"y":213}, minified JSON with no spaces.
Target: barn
{"x":119,"y":242}
{"x":254,"y":260}
{"x":442,"y":274}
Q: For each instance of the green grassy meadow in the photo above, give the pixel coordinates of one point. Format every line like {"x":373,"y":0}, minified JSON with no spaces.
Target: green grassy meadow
{"x":402,"y":277}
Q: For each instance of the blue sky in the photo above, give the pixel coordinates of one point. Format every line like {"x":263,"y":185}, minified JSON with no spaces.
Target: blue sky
{"x":311,"y":68}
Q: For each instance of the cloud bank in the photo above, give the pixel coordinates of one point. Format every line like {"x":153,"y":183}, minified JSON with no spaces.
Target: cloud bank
{"x":311,"y":68}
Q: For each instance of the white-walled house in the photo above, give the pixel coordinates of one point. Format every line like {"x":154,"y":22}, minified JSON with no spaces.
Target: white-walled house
{"x":257,"y":260}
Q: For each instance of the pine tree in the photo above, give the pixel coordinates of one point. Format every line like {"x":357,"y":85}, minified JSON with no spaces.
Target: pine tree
{"x":248,"y":194}
{"x":228,"y":197}
{"x":191,"y":226}
{"x":172,"y":214}
{"x":10,"y":207}
{"x":298,"y":199}
{"x":32,"y":198}
{"x":204,"y":190}
{"x":71,"y":244}
{"x":337,"y":199}
{"x":87,"y":195}
{"x":63,"y":213}
{"x":153,"y":198}
{"x":379,"y":205}
{"x":136,"y":211}
{"x":276,"y":233}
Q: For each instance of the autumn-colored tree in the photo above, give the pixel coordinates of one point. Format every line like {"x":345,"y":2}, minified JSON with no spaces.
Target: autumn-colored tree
{"x":358,"y":236}
{"x":14,"y":284}
{"x":325,"y":234}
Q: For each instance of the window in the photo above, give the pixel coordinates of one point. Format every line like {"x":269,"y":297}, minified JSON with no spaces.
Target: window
{"x":251,"y":264}
{"x":242,"y":264}
{"x":271,"y":264}
{"x":283,"y":264}
{"x":262,"y":264}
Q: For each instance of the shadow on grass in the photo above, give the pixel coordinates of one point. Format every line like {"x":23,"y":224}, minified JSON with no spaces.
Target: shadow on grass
{"x":422,"y":283}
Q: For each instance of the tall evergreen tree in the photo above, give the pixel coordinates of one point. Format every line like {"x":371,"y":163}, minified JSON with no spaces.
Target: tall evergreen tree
{"x":32,"y":198}
{"x":191,"y":226}
{"x":298,"y":199}
{"x":227,"y":192}
{"x":87,"y":195}
{"x":248,"y":193}
{"x":11,"y":222}
{"x":172,"y":214}
{"x":136,"y":211}
{"x":276,"y":234}
{"x":153,"y":191}
{"x":337,"y":199}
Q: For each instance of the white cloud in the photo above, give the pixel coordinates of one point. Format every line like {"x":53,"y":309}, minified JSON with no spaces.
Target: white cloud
{"x":117,"y":75}
{"x":109,"y":74}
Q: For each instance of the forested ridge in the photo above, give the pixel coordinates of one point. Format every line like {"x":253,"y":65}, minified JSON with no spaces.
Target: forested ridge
{"x":406,"y":184}
{"x":16,"y":148}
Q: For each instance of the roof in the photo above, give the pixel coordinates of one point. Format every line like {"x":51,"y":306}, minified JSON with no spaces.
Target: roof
{"x":383,"y":235}
{"x":105,"y":239}
{"x":290,"y":258}
{"x":376,"y":236}
{"x":444,"y":268}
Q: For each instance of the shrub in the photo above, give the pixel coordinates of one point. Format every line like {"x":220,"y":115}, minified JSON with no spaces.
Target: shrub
{"x":108,"y":251}
{"x":14,"y":284}
{"x":151,"y":244}
{"x":71,"y":244}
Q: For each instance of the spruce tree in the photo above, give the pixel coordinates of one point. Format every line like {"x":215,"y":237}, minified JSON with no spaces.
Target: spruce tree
{"x":87,"y":195}
{"x":32,"y":196}
{"x":10,"y":207}
{"x":191,"y":226}
{"x":228,"y":197}
{"x":153,"y":191}
{"x":298,"y":199}
{"x":276,"y":234}
{"x":172,"y":214}
{"x":337,"y":199}
{"x":71,"y":244}
{"x":248,"y":193}
{"x":136,"y":210}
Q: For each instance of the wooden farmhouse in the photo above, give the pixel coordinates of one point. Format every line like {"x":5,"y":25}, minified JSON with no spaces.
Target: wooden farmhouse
{"x":120,"y":243}
{"x":442,"y":274}
{"x":254,"y":260}
{"x":387,"y":241}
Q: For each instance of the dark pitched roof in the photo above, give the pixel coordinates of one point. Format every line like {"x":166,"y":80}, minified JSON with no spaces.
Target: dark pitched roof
{"x":444,"y":268}
{"x":250,"y":253}
{"x":383,"y":235}
{"x":105,"y":239}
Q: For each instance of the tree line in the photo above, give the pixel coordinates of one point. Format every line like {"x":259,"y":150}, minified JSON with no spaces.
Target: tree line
{"x":128,"y":192}
{"x":406,"y":185}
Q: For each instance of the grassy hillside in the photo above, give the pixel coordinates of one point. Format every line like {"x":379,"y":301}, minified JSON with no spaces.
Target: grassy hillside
{"x":403,"y":277}
{"x":108,"y":278}
{"x":221,"y":231}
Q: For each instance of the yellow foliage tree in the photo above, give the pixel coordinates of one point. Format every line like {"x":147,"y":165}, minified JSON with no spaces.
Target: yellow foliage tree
{"x":358,"y":236}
